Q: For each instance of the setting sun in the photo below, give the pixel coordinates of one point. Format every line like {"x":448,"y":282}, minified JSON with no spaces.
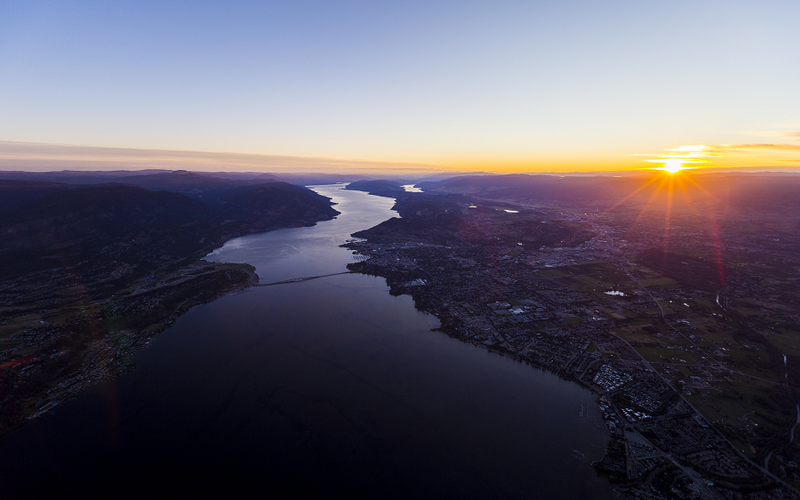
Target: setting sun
{"x":672,"y":166}
{"x":677,"y":159}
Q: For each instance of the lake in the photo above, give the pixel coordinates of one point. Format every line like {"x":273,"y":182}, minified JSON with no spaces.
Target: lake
{"x":329,"y":387}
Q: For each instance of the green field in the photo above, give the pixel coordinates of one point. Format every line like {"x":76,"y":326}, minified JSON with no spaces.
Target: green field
{"x":655,"y":354}
{"x":661,"y":281}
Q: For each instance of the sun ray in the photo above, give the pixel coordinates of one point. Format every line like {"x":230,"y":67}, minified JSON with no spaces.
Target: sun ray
{"x":649,"y":202}
{"x":679,"y":180}
{"x":667,"y":181}
{"x":623,"y":200}
{"x":668,"y":216}
{"x":715,"y":238}
{"x":660,"y":177}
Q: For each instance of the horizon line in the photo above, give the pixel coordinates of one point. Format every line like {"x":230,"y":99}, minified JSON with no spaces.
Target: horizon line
{"x":25,"y":156}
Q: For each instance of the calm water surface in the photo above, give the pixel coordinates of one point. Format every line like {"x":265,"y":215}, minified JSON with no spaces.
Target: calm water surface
{"x":330,"y":387}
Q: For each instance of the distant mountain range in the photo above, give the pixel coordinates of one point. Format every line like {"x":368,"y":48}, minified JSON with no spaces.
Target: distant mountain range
{"x":193,"y":184}
{"x":769,"y":191}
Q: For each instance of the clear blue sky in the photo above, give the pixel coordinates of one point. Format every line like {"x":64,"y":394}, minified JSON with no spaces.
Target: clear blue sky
{"x":462,"y":84}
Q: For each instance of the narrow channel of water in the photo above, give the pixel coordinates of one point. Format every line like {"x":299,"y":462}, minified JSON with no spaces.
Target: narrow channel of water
{"x":329,"y":387}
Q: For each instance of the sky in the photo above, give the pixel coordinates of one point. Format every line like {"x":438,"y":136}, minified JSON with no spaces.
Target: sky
{"x":497,"y":85}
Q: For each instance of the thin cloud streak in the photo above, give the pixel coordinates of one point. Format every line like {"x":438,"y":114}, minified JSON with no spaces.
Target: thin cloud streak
{"x":37,"y":156}
{"x":734,"y":147}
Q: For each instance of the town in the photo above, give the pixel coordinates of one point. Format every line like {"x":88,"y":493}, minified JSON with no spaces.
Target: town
{"x":691,"y":375}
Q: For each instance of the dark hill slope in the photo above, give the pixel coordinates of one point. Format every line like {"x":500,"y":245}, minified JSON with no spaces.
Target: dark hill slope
{"x":263,"y":207}
{"x":76,"y":176}
{"x":127,"y":225}
{"x":278,"y":200}
{"x":378,"y":187}
{"x":15,"y":194}
{"x":194,"y":184}
{"x":76,"y":225}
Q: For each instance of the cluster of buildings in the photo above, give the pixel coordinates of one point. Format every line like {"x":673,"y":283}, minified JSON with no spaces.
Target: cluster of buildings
{"x":505,"y":298}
